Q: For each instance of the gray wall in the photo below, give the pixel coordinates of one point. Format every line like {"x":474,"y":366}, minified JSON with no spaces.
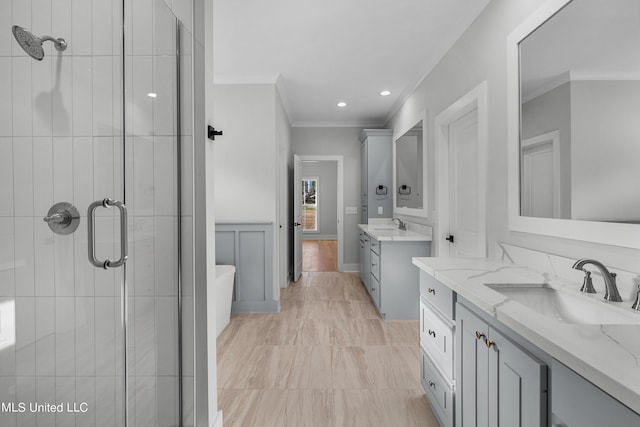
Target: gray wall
{"x":251,"y":163}
{"x":327,"y":174}
{"x":480,"y":55}
{"x":606,"y":148}
{"x":345,"y":142}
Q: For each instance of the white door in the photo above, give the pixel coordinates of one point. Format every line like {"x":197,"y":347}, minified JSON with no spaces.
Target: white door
{"x":297,"y":217}
{"x":540,"y":176}
{"x":464,"y":235}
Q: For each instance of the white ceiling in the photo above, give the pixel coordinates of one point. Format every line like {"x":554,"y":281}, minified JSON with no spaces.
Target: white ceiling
{"x":323,"y":52}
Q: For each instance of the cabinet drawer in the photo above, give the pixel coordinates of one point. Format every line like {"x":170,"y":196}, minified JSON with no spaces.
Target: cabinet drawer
{"x":439,"y":392}
{"x":375,"y":265}
{"x":438,"y":295}
{"x":436,"y":336}
{"x":375,"y":246}
{"x":374,"y":291}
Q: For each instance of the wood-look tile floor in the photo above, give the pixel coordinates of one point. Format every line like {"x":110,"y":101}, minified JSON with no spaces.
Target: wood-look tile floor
{"x":327,"y":359}
{"x":320,"y":255}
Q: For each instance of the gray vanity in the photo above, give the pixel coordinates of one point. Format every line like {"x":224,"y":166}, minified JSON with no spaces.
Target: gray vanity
{"x":386,"y":270}
{"x":492,"y":358}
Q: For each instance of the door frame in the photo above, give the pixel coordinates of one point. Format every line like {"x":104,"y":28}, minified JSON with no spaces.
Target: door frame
{"x":476,"y":99}
{"x":553,"y":139}
{"x":340,"y":197}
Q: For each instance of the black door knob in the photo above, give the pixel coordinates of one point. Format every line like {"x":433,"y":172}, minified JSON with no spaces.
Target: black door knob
{"x":449,"y":238}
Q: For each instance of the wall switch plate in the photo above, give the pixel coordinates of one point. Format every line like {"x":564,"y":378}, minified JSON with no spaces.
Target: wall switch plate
{"x":351,"y":210}
{"x":380,"y":212}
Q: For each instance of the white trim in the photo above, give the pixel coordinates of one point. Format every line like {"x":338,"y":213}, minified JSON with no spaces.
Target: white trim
{"x":335,"y":124}
{"x":547,"y":86}
{"x":552,"y":137}
{"x":609,"y":233}
{"x":475,"y":99}
{"x":340,"y":197}
{"x":351,"y":268}
{"x":317,"y":204}
{"x":419,"y":212}
{"x":218,"y":420}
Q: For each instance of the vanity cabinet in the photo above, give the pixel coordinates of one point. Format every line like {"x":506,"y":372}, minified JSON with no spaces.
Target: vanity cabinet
{"x":393,"y":279}
{"x":499,"y":384}
{"x":365,"y":259}
{"x":577,"y":402}
{"x":389,"y":276}
{"x":437,"y":331}
{"x":376,"y":174}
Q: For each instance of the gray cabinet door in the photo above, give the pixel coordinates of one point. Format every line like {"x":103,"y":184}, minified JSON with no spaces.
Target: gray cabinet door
{"x":472,"y":370}
{"x":364,"y":182}
{"x":575,"y":402}
{"x":517,"y":385}
{"x":366,"y":259}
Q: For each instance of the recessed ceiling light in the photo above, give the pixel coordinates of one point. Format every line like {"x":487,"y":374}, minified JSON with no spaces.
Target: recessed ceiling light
{"x":152,"y":95}
{"x":385,"y":93}
{"x":342,"y":104}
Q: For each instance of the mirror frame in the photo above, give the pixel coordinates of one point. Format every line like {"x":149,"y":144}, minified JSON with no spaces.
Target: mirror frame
{"x":609,"y":233}
{"x":418,"y":212}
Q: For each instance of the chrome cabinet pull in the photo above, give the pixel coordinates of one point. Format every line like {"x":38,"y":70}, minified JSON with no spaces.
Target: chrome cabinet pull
{"x":91,"y":212}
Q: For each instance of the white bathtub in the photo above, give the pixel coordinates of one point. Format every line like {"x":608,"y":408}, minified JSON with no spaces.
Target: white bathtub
{"x":224,"y":295}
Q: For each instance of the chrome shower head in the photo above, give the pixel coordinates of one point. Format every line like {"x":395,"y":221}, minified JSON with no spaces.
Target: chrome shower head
{"x":33,"y":44}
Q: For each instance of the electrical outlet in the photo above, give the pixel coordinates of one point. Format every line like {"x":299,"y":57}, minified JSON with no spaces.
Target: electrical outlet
{"x":351,"y":210}
{"x":380,"y":210}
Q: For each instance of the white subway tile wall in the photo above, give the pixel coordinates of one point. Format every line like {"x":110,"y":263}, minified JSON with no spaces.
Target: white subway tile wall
{"x":61,"y":140}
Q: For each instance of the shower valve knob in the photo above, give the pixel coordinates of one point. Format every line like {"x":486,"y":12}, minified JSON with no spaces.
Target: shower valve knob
{"x":63,"y":218}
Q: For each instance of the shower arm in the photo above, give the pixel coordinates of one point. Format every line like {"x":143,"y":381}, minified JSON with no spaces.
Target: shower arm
{"x":60,"y":44}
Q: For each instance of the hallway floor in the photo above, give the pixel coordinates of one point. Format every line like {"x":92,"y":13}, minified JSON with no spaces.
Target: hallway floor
{"x":327,"y":359}
{"x":320,"y":255}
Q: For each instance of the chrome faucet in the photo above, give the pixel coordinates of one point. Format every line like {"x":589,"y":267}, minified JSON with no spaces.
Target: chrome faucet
{"x":401,"y":223}
{"x":611,"y":290}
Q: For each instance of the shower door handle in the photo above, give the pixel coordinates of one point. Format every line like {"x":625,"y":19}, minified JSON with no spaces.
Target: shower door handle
{"x":91,"y":212}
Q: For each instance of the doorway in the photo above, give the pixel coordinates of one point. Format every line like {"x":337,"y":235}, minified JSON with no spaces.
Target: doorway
{"x":321,"y":182}
{"x":461,"y":138}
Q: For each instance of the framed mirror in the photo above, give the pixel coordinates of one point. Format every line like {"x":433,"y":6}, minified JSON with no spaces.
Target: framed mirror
{"x":409,"y":170}
{"x":574,"y":133}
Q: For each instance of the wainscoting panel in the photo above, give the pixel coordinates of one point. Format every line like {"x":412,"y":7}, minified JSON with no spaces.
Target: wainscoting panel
{"x":248,"y":246}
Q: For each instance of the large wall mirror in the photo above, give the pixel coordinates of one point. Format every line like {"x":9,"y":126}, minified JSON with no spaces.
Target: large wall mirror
{"x":574,"y":128}
{"x":409,"y":171}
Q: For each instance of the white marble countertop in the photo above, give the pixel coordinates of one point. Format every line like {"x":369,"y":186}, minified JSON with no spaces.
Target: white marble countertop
{"x":385,"y":232}
{"x":606,"y":355}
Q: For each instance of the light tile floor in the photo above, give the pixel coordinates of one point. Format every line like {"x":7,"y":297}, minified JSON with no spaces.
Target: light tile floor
{"x":327,"y":359}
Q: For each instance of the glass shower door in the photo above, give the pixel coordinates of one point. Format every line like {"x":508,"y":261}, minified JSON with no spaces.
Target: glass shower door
{"x":61,"y":324}
{"x":153,"y":159}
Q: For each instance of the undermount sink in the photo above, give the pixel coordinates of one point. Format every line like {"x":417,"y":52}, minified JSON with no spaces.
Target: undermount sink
{"x":564,"y":306}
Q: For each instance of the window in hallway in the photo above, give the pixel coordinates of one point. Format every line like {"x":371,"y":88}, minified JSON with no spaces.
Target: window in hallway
{"x":309,"y":204}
